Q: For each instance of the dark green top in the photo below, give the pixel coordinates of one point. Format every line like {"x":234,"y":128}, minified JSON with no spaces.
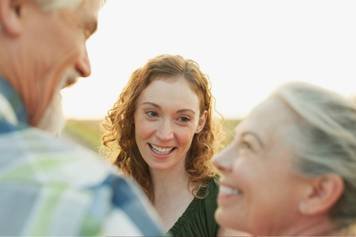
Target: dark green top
{"x":198,"y":219}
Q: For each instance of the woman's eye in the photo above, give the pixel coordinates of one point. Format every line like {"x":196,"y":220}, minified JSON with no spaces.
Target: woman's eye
{"x":184,"y":119}
{"x":151,"y":114}
{"x":244,"y":146}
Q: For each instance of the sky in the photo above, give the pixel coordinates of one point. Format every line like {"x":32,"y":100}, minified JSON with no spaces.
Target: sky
{"x":247,"y":48}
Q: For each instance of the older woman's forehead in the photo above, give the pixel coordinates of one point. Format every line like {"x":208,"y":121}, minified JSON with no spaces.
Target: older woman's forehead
{"x":272,"y":110}
{"x":267,"y":118}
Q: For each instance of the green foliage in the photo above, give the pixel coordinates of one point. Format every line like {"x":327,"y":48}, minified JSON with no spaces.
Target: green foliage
{"x":85,"y":132}
{"x":88,"y":132}
{"x":229,"y":130}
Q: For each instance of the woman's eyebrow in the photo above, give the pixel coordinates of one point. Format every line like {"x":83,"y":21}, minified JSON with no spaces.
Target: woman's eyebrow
{"x":152,"y":104}
{"x":255,"y":136}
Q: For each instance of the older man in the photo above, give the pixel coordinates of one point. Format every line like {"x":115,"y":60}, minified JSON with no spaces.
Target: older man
{"x":48,"y":186}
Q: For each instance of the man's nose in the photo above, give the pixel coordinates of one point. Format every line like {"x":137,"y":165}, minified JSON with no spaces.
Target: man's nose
{"x":83,"y":64}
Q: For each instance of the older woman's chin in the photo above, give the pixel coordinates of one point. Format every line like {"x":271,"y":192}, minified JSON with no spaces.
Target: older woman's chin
{"x":228,"y":225}
{"x":53,"y":119}
{"x":224,"y":219}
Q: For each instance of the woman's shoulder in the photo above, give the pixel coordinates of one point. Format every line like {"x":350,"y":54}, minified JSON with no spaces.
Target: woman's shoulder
{"x":211,"y":195}
{"x":198,"y":219}
{"x":208,"y":190}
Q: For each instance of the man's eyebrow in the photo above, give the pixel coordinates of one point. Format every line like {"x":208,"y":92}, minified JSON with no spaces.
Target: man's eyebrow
{"x":255,"y":136}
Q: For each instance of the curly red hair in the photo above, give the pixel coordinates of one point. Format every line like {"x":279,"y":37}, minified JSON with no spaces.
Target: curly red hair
{"x":119,"y":127}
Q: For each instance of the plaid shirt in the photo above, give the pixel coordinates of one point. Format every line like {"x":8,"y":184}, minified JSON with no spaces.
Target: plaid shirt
{"x":51,"y":187}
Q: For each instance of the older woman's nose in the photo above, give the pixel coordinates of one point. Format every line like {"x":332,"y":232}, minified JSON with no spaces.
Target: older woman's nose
{"x":223,"y":161}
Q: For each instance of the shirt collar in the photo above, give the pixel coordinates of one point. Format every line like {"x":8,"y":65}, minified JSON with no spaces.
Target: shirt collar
{"x":12,"y":110}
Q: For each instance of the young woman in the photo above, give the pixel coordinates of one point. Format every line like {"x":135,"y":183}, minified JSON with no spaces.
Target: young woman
{"x":161,"y":132}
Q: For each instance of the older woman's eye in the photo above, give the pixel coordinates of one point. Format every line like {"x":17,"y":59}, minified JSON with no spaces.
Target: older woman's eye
{"x":244,"y":146}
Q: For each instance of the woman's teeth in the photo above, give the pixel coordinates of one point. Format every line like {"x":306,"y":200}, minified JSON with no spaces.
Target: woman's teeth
{"x":229,"y":191}
{"x":161,"y":150}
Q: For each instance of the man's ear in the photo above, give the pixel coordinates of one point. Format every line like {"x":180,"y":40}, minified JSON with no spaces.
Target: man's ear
{"x":201,"y":122}
{"x":322,"y":194}
{"x":10,"y":12}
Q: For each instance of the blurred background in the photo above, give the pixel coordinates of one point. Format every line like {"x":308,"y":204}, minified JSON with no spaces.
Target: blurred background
{"x":247,"y":48}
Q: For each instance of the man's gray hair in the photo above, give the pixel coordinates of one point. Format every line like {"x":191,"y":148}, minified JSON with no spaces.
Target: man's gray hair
{"x":325,"y":139}
{"x":58,"y":4}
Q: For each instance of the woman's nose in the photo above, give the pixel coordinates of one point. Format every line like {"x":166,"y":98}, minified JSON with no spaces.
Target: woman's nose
{"x":223,"y":161}
{"x":165,"y":130}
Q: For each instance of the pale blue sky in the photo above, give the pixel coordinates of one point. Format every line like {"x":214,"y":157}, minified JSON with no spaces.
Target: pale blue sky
{"x":247,"y":48}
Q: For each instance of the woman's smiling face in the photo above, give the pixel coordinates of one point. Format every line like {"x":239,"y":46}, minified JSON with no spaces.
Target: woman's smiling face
{"x":166,"y":118}
{"x":260,"y":188}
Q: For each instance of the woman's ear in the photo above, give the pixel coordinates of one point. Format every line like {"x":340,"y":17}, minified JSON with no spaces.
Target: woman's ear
{"x":10,"y":12}
{"x":322,"y":194}
{"x":202,"y":121}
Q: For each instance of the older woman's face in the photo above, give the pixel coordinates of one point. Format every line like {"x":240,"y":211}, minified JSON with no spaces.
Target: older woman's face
{"x":260,"y":189}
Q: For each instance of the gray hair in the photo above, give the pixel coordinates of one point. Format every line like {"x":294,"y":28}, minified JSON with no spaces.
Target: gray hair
{"x":49,"y":5}
{"x":325,"y":139}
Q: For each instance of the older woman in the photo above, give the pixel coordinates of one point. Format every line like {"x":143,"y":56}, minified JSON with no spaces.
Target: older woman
{"x":291,"y":169}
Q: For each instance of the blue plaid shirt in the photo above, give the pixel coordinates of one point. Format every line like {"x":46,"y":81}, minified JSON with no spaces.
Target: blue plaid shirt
{"x":51,"y":187}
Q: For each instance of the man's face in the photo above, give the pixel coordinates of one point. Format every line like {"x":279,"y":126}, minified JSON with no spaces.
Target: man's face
{"x":55,"y":51}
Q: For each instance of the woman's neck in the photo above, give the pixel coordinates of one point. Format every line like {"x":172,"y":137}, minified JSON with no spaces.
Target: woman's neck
{"x":172,"y":194}
{"x":168,"y":183}
{"x":314,"y":227}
